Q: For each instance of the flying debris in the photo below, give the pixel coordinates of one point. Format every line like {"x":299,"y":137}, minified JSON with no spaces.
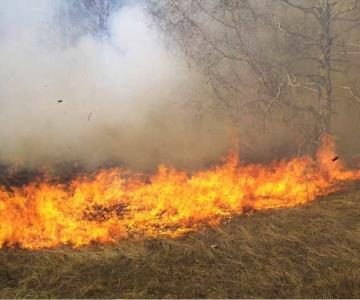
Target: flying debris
{"x":335,"y":158}
{"x":59,"y":101}
{"x":89,"y":116}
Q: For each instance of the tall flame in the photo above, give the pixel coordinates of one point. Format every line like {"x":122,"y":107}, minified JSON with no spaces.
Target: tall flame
{"x":116,"y":204}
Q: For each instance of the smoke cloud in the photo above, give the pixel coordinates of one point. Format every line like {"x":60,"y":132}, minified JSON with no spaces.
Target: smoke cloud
{"x":121,"y":99}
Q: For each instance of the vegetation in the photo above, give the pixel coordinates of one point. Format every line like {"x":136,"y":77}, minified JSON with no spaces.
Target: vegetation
{"x":294,"y":62}
{"x":311,"y":251}
{"x":291,"y":61}
{"x":75,"y":19}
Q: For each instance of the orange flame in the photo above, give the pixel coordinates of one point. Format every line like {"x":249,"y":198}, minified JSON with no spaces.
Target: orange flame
{"x":116,"y":205}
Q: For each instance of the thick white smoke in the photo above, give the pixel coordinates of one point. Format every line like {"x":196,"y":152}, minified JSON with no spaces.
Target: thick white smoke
{"x":123,"y":98}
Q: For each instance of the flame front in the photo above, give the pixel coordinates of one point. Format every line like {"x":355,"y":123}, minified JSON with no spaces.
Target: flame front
{"x":115,"y":205}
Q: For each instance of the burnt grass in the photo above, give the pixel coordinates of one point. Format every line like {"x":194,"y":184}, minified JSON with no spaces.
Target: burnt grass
{"x":311,"y":251}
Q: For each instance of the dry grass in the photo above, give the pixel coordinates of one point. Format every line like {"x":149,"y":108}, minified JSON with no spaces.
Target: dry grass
{"x":311,"y":251}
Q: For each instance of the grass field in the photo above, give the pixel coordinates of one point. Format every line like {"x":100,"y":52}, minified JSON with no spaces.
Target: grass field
{"x":311,"y":251}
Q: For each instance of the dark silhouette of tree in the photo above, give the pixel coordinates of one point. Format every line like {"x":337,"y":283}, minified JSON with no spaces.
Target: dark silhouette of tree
{"x":282,"y":59}
{"x":76,"y":18}
{"x":102,"y":10}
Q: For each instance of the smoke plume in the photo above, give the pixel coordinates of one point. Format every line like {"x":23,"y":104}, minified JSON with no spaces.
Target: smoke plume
{"x":121,"y":99}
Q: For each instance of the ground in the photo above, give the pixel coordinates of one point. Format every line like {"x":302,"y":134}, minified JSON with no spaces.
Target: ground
{"x":311,"y":251}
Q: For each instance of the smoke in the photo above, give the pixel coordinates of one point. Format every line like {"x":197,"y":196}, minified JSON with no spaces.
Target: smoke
{"x":121,"y":99}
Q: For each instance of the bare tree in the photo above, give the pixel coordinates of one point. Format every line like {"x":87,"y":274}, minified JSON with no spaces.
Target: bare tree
{"x":102,"y":10}
{"x":283,"y":59}
{"x":75,"y":18}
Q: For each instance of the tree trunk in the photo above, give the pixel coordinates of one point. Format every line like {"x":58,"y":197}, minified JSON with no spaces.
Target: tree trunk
{"x":325,"y":82}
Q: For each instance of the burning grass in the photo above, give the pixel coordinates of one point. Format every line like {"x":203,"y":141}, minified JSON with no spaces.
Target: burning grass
{"x":116,"y":204}
{"x":310,"y":251}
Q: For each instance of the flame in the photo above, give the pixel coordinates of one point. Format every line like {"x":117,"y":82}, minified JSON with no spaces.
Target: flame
{"x":117,"y":204}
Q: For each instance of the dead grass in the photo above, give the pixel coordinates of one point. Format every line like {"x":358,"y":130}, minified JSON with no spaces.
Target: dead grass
{"x":311,"y":251}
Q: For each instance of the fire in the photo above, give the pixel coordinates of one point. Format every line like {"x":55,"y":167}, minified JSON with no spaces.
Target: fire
{"x":116,"y":204}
